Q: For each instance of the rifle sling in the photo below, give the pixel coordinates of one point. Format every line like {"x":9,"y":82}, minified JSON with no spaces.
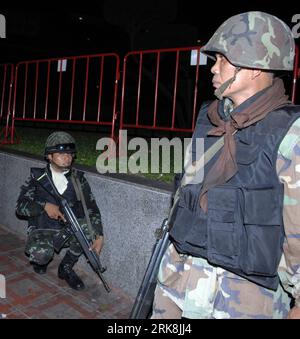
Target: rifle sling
{"x":80,"y":197}
{"x":78,"y":192}
{"x":200,"y":163}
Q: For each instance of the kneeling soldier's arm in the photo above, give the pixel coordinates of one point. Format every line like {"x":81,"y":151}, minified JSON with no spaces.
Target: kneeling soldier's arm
{"x":28,"y":204}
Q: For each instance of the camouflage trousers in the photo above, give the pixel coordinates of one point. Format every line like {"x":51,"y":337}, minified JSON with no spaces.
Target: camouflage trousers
{"x":40,"y":246}
{"x":192,"y":288}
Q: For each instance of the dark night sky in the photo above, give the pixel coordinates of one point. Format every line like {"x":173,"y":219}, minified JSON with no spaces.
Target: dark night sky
{"x":56,"y":30}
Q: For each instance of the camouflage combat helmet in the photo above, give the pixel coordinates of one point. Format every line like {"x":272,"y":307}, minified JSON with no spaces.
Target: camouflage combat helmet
{"x":254,"y":40}
{"x":60,"y":142}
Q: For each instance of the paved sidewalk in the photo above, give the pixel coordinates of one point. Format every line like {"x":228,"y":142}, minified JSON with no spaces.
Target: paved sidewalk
{"x":33,"y":296}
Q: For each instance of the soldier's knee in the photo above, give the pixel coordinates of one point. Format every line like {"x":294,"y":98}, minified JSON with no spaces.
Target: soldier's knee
{"x":75,"y":249}
{"x":41,"y":256}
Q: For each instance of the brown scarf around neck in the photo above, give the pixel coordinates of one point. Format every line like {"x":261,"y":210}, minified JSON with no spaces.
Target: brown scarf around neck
{"x":225,"y":166}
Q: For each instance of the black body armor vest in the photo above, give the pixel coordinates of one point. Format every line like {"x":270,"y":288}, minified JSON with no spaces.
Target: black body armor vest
{"x":45,"y":193}
{"x":242,"y":230}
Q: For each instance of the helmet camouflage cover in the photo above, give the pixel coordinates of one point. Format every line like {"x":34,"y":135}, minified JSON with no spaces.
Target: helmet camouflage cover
{"x":60,"y":142}
{"x":254,"y":40}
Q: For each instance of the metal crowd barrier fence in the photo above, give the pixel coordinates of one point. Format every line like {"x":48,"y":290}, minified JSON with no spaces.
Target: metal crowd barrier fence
{"x":161,"y":90}
{"x":6,"y":93}
{"x":74,"y":90}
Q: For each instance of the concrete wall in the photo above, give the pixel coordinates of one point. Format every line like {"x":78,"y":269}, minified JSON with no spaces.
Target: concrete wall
{"x":130,"y":214}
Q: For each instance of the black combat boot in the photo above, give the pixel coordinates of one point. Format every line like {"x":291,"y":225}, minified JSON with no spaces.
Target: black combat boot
{"x":40,"y":269}
{"x":65,"y":271}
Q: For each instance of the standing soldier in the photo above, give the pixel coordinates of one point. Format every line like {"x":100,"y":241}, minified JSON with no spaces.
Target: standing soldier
{"x":235,"y":250}
{"x":46,"y":223}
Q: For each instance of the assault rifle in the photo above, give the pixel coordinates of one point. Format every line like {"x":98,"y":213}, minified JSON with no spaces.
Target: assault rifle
{"x":77,"y":231}
{"x":143,"y":303}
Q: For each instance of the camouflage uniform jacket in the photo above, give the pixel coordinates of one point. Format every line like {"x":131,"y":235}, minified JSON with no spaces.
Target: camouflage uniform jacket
{"x":201,"y":290}
{"x":30,"y":205}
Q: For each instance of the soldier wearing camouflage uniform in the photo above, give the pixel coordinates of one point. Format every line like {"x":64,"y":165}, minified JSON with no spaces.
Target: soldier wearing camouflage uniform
{"x":235,"y":237}
{"x":46,"y":222}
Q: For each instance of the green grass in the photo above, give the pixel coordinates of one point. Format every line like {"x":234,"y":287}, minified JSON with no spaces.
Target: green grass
{"x":32,"y":141}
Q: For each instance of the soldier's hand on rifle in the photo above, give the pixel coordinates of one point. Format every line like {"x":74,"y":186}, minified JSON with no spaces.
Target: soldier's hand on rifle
{"x":97,"y":244}
{"x":54,"y":212}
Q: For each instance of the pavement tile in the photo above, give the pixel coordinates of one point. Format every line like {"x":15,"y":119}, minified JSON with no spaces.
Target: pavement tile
{"x":6,"y":307}
{"x":16,"y":315}
{"x":30,"y":295}
{"x":9,"y":241}
{"x":9,"y":266}
{"x":27,"y":288}
{"x":61,"y":306}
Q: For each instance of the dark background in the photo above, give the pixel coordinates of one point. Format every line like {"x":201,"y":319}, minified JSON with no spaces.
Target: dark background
{"x":58,"y":28}
{"x":41,"y":30}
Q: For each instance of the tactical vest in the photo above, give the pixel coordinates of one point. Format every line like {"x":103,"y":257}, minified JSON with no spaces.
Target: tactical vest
{"x":45,"y":193}
{"x":242,"y":230}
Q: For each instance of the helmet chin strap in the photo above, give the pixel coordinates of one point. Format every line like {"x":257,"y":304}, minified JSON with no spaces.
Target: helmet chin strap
{"x":219,"y":91}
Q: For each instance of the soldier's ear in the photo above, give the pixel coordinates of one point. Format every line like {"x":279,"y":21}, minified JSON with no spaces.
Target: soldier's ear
{"x":255,"y":73}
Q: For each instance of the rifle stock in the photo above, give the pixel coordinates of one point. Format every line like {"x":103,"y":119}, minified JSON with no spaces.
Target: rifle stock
{"x":142,"y":306}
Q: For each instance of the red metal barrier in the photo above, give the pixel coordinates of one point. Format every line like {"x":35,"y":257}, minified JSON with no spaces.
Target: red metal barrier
{"x":167,"y":83}
{"x":76,"y":90}
{"x":6,"y":86}
{"x":134,"y":114}
{"x":159,"y":90}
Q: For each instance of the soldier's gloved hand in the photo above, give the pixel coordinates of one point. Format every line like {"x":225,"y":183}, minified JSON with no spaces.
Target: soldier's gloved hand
{"x":53,"y":211}
{"x":97,"y":244}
